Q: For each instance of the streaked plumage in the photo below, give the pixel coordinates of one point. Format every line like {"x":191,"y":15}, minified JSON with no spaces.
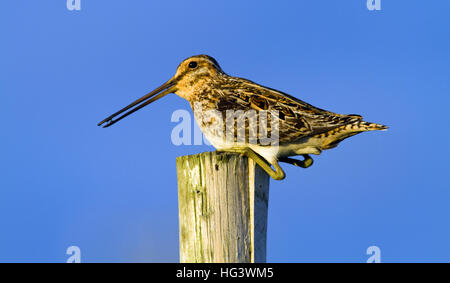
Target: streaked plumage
{"x":303,"y":128}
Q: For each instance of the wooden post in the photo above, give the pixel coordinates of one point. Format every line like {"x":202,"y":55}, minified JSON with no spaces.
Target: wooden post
{"x":223,"y":200}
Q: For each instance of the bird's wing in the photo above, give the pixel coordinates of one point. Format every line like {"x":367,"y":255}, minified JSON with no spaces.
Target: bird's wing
{"x":297,"y":118}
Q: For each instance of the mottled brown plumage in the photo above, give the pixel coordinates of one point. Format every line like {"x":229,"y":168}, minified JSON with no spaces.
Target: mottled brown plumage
{"x":297,"y":118}
{"x":302,"y":128}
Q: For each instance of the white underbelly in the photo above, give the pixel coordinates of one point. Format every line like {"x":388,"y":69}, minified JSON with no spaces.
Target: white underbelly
{"x":270,"y":152}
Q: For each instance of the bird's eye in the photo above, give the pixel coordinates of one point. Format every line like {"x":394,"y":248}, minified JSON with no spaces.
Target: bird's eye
{"x":192,"y":64}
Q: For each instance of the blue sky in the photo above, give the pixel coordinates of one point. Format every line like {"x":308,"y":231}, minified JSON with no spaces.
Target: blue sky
{"x":112,"y":192}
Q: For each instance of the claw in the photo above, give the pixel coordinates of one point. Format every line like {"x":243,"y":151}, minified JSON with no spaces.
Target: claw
{"x":307,"y":161}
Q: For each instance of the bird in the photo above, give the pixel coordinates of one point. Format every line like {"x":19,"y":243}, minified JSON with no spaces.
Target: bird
{"x":301,"y":128}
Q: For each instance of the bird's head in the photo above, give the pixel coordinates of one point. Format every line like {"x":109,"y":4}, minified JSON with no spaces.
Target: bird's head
{"x":191,"y":76}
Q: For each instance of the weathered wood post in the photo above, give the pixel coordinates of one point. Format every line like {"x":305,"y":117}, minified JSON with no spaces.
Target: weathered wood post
{"x":223,"y":201}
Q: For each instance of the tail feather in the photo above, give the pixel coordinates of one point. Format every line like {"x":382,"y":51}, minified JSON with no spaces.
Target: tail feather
{"x":334,"y":137}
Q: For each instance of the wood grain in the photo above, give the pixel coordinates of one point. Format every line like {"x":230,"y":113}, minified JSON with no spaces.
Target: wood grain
{"x":223,"y":202}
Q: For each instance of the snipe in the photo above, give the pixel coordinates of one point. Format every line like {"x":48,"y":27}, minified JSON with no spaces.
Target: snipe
{"x":302,"y":129}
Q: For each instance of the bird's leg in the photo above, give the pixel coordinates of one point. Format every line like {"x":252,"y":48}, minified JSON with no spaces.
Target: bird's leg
{"x":277,"y":174}
{"x":305,"y":163}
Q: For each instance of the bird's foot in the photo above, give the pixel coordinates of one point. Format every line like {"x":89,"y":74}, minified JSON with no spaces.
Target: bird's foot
{"x":277,"y":174}
{"x":305,"y":163}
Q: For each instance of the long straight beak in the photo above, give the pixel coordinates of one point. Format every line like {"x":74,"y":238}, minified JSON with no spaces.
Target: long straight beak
{"x":161,"y":91}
